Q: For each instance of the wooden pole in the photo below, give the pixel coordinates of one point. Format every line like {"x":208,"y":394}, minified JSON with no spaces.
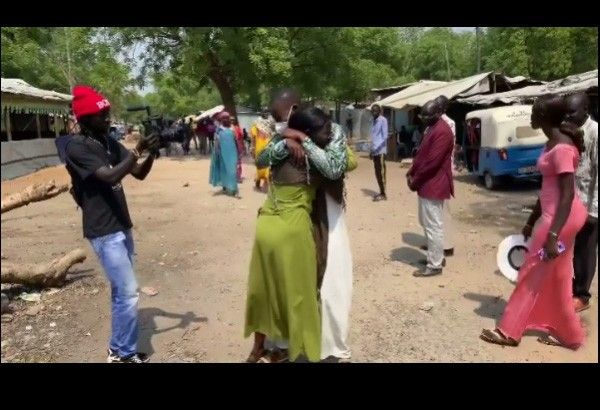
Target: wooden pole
{"x":70,"y":79}
{"x":447,"y":60}
{"x":7,"y":119}
{"x":56,"y":117}
{"x":477,"y":38}
{"x":38,"y":126}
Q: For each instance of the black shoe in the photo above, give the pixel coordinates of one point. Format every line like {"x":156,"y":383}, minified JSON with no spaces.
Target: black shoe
{"x":447,"y":252}
{"x":424,"y":262}
{"x":135,"y":358}
{"x":113,"y":357}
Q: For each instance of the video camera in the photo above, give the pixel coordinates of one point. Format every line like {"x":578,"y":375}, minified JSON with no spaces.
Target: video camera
{"x":154,"y":124}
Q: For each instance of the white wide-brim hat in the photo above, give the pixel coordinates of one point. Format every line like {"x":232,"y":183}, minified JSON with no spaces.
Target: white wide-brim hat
{"x":511,"y":256}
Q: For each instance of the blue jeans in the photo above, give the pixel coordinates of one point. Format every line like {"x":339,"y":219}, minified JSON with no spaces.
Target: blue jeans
{"x":115,"y":252}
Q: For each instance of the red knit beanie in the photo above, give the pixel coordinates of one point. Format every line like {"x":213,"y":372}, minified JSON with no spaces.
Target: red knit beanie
{"x":87,"y":101}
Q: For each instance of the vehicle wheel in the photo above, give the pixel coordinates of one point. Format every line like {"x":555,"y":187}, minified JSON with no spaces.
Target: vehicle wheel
{"x":490,"y":181}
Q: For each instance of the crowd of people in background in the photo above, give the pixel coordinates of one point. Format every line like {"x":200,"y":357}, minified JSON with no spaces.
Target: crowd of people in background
{"x":300,"y":275}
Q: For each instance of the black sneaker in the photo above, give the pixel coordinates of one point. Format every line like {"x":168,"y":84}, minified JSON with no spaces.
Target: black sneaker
{"x":135,"y":358}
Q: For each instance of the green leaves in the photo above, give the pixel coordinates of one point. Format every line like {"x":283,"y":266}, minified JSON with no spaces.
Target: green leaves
{"x":544,"y":53}
{"x":57,"y":58}
{"x":176,"y":96}
{"x":195,"y":68}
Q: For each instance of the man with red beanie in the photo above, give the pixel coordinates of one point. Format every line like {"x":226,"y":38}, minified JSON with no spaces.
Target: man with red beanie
{"x":97,"y":164}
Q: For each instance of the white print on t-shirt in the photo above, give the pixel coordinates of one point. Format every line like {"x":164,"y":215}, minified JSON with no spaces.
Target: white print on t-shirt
{"x":117,"y":186}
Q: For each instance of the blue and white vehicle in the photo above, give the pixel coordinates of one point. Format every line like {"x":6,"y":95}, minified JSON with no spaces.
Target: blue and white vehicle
{"x":500,"y":143}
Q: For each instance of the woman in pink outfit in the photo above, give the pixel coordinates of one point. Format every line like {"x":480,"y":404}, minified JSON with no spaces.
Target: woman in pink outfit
{"x":542,"y":299}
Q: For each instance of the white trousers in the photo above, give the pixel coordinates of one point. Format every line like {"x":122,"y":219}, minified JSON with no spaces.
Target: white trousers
{"x":431,"y":217}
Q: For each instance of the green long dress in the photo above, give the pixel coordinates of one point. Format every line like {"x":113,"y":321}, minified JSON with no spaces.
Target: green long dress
{"x":282,"y":287}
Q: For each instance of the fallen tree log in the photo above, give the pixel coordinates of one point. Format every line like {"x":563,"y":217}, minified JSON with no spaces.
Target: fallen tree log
{"x":42,"y":274}
{"x":5,"y":304}
{"x":33,"y":193}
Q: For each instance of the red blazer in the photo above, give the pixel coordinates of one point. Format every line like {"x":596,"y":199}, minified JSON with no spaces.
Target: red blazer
{"x":431,"y":171}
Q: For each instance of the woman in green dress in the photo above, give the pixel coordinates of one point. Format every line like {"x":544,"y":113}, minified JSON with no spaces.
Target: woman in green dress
{"x":282,"y":302}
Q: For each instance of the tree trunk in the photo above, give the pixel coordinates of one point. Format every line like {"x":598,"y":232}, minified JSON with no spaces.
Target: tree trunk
{"x":219,"y":77}
{"x":41,"y":274}
{"x":33,"y":193}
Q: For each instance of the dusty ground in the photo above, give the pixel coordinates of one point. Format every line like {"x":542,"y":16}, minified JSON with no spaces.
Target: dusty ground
{"x":194,"y":247}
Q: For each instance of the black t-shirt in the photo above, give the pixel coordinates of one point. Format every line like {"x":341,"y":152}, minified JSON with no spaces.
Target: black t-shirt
{"x":103,"y":206}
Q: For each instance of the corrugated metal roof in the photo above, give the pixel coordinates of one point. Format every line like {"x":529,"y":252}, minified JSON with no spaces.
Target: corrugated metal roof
{"x":450,"y":90}
{"x":415,"y":89}
{"x":571,"y":84}
{"x":393,"y":87}
{"x":19,"y":87}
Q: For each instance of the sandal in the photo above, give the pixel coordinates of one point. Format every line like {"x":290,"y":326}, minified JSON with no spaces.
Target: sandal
{"x":549,"y":340}
{"x":276,"y":356}
{"x":256,"y":357}
{"x":580,"y":305}
{"x":494,"y":336}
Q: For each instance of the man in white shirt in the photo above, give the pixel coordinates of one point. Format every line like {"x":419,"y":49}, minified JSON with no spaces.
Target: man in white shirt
{"x":586,"y":178}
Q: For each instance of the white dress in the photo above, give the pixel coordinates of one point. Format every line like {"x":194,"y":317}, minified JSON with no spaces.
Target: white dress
{"x":336,"y":290}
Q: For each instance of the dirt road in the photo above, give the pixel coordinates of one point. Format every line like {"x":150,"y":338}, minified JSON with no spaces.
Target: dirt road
{"x":194,"y":247}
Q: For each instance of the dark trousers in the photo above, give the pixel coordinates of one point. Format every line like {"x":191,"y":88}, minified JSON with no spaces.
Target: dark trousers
{"x":379,"y":162}
{"x":186,"y":144}
{"x":584,"y":260}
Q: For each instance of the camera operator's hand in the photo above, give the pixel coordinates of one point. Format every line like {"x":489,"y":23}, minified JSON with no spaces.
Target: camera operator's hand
{"x":146,"y":143}
{"x":156,"y":145}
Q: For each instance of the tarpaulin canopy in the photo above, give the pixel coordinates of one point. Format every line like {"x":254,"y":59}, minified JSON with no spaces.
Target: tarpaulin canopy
{"x":19,"y":96}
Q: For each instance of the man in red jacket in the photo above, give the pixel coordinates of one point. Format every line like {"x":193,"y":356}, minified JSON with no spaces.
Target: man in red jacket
{"x":431,"y":177}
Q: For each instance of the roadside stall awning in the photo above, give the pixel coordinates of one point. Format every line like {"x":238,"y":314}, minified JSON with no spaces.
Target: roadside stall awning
{"x":412,"y":90}
{"x":20,"y":97}
{"x":571,"y":84}
{"x":478,"y":84}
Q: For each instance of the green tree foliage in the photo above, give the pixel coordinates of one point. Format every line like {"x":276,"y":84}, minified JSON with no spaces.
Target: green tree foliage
{"x":57,"y":58}
{"x":544,"y":53}
{"x":177,"y":96}
{"x":195,"y":68}
{"x":243,"y":62}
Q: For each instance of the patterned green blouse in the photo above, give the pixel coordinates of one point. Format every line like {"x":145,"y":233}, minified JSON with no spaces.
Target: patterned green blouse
{"x":331,"y":162}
